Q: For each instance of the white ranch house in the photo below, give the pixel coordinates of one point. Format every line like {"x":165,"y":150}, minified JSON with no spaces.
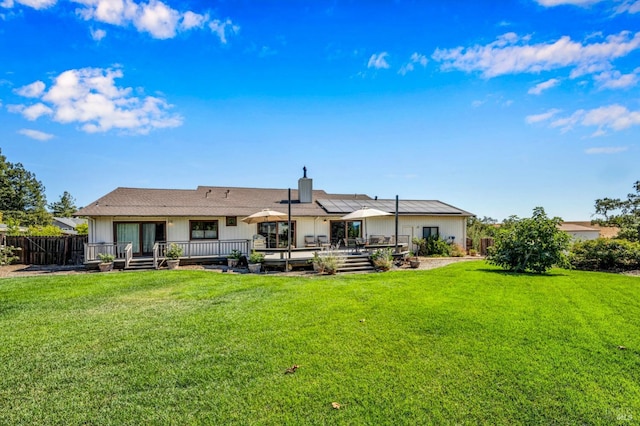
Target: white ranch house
{"x":139,"y":223}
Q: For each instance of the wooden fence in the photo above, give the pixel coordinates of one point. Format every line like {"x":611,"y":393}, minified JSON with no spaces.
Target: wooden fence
{"x":66,"y":250}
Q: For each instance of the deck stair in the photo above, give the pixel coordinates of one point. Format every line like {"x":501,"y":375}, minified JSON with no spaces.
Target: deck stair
{"x":357,"y":263}
{"x":140,"y":263}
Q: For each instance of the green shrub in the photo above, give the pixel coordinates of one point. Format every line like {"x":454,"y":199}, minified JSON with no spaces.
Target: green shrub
{"x":106,"y":257}
{"x":235,"y":254}
{"x":44,"y":231}
{"x":174,"y":251}
{"x":457,"y":251}
{"x":605,"y":255}
{"x":382,"y":259}
{"x":7,"y":255}
{"x":432,"y":246}
{"x":327,"y":261}
{"x":256,"y":257}
{"x":531,"y":244}
{"x":83,"y":229}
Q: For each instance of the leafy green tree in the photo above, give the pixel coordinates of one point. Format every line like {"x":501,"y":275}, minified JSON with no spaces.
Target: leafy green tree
{"x":44,"y":231}
{"x":624,"y":214}
{"x":22,"y":196}
{"x":83,"y":229}
{"x":477,"y":229}
{"x":531,"y":244}
{"x":64,"y":207}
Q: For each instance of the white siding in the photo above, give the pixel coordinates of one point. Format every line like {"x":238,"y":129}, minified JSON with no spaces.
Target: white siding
{"x":101,"y":228}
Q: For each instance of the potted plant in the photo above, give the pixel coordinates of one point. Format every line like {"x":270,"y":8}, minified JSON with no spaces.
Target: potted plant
{"x":173,"y":254}
{"x":318,"y":263}
{"x":382,"y":259}
{"x":414,"y":261}
{"x":233,"y":258}
{"x":255,"y":262}
{"x":106,"y":262}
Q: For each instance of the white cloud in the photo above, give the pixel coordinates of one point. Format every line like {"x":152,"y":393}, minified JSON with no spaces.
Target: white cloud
{"x":608,"y":118}
{"x":193,"y":20}
{"x":541,"y":87}
{"x":33,"y":90}
{"x":552,"y":3}
{"x":222,"y":28}
{"x":511,"y":54}
{"x":606,"y":150}
{"x":35,"y":4}
{"x":157,"y":19}
{"x":378,"y":61}
{"x":36,"y":111}
{"x":536,"y":118}
{"x":616,"y":80}
{"x":629,"y":6}
{"x":35,"y":134}
{"x":416,"y":59}
{"x":89,"y":97}
{"x":154,"y":17}
{"x":98,"y":35}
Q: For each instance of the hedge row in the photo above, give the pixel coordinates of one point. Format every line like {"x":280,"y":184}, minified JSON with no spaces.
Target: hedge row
{"x":605,"y":255}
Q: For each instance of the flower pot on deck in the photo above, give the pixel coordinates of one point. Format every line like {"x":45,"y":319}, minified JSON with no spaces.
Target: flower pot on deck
{"x":414,"y":262}
{"x":255,"y":268}
{"x":232,"y":263}
{"x":105,"y":267}
{"x":173,"y":263}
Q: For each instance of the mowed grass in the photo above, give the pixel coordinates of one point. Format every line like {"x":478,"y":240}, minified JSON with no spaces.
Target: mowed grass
{"x":464,"y":344}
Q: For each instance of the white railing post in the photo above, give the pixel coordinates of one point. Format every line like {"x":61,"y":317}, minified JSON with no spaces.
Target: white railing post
{"x":128,"y":254}
{"x":155,"y":255}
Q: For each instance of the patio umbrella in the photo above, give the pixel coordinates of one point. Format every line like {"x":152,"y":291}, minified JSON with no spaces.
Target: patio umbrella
{"x":265,"y":215}
{"x":363,"y":214}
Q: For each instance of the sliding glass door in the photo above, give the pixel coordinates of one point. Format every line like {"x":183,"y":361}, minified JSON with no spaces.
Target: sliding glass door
{"x":141,"y":235}
{"x":276,"y":234}
{"x":341,"y":229}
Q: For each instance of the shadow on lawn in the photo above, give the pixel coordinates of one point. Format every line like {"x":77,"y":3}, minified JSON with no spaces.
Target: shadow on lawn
{"x":521,"y":274}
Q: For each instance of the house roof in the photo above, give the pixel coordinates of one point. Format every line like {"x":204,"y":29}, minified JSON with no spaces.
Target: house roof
{"x":233,"y":201}
{"x":205,"y":201}
{"x":575,"y":227}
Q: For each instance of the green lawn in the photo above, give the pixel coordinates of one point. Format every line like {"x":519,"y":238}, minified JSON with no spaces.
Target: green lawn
{"x":464,"y":344}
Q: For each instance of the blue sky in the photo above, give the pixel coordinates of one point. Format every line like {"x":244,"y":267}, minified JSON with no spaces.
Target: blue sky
{"x":494,"y":107}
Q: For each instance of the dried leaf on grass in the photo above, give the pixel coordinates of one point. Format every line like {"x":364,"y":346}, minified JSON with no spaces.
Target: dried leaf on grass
{"x":335,"y":405}
{"x":292,"y":369}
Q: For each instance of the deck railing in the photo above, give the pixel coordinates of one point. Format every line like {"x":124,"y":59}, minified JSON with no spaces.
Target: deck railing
{"x":92,"y":250}
{"x":191,"y":249}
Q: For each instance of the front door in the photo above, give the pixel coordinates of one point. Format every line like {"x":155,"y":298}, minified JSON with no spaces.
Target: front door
{"x":141,"y":235}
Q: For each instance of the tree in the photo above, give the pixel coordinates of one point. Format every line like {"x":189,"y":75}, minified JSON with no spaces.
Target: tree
{"x":478,"y":229}
{"x":531,"y":244}
{"x":64,"y":207}
{"x":624,"y":214}
{"x":22,"y":196}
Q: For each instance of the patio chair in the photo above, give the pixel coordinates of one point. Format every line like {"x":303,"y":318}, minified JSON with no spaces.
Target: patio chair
{"x":323,"y":241}
{"x":310,"y":241}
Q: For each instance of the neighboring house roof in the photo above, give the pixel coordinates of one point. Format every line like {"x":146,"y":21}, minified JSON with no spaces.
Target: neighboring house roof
{"x":605,"y":231}
{"x":232,"y":201}
{"x":68,"y":222}
{"x":574,"y":227}
{"x":4,"y":228}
